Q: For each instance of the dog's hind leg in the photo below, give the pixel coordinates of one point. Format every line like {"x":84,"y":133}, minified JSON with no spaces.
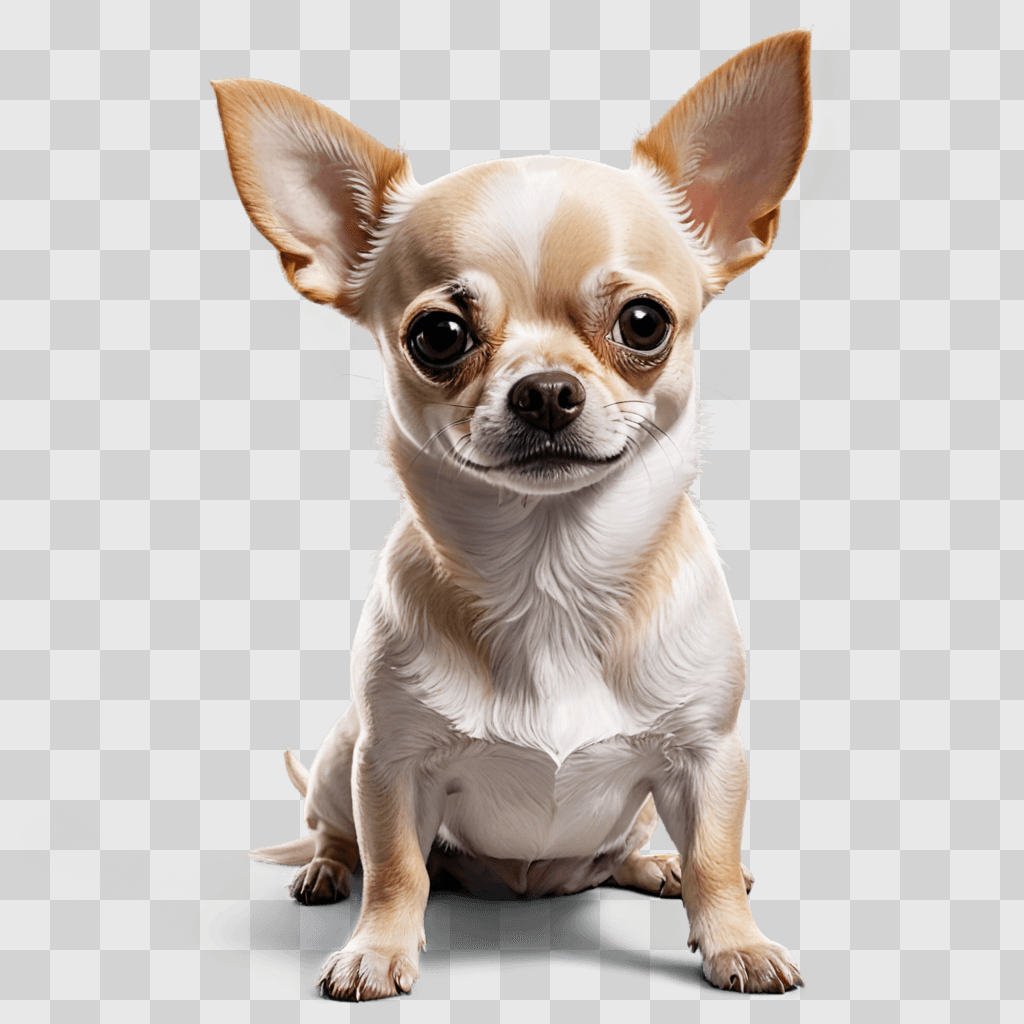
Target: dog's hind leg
{"x":330,"y":853}
{"x":656,"y":873}
{"x":327,"y":878}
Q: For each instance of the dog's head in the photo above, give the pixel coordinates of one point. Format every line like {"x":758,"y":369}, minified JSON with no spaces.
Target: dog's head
{"x":534,"y":315}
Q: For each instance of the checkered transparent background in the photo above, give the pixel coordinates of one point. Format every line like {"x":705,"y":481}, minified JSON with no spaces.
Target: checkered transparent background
{"x":192,"y":499}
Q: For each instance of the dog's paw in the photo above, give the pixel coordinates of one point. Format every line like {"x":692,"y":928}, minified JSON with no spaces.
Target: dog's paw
{"x":761,"y":967}
{"x":671,"y":874}
{"x":321,"y":881}
{"x":657,"y":873}
{"x":358,"y":974}
{"x":748,"y":878}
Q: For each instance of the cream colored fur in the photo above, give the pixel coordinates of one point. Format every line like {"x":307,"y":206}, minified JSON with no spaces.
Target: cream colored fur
{"x":549,"y":657}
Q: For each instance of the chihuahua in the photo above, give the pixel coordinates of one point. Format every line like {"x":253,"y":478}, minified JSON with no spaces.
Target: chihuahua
{"x":549,"y":657}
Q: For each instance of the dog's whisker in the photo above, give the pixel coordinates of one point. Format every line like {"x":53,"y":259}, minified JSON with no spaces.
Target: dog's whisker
{"x":435,"y":435}
{"x":727,"y":397}
{"x":642,"y":422}
{"x":452,"y":457}
{"x":361,"y":376}
{"x":643,"y":461}
{"x":440,"y":466}
{"x":647,"y":420}
{"x":630,"y":438}
{"x":650,"y":423}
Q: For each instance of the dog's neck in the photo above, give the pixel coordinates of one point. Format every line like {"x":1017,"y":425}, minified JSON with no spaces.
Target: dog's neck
{"x":555,"y":564}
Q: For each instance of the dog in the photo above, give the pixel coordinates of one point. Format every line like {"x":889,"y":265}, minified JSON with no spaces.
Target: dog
{"x":549,"y":658}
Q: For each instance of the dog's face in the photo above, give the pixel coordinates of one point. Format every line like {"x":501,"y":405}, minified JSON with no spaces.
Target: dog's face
{"x":534,"y":315}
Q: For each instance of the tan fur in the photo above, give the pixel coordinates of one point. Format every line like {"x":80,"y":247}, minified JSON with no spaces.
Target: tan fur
{"x":652,"y":581}
{"x":533,"y":685}
{"x":676,"y":143}
{"x":296,"y":772}
{"x":326,"y":874}
{"x":426,"y":575}
{"x":381,"y":957}
{"x":296,"y":851}
{"x":658,"y":874}
{"x":574,"y":243}
{"x":242,"y":101}
{"x":649,"y":587}
{"x":715,"y":883}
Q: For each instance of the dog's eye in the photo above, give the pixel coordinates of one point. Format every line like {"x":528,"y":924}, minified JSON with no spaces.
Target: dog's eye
{"x":439,"y":338}
{"x":642,"y":325}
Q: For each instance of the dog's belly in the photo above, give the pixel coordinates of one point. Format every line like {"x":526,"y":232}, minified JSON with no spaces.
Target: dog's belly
{"x":509,"y":801}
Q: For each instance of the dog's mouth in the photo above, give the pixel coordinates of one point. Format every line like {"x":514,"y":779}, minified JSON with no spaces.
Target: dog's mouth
{"x":546,"y":460}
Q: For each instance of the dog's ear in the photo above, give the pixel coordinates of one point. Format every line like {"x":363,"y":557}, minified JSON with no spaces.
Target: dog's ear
{"x":313,"y":183}
{"x":732,"y":146}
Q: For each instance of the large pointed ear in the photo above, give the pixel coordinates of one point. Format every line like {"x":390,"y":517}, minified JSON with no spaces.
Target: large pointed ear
{"x":313,"y":183}
{"x":731,"y":147}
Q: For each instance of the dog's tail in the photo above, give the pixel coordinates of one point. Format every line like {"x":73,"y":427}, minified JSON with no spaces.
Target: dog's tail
{"x":297,"y":851}
{"x":296,"y":772}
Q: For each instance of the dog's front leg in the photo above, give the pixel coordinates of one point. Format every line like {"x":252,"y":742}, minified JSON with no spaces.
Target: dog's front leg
{"x":701,"y":800}
{"x":397,"y":817}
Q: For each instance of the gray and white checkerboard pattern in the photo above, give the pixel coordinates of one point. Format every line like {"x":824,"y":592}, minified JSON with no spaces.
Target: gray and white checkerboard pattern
{"x":192,"y":499}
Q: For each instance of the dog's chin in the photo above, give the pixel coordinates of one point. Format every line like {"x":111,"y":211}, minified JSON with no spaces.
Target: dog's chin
{"x":547,"y":473}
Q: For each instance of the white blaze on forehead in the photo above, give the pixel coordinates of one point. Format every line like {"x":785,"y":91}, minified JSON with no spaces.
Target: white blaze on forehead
{"x":522,"y":338}
{"x":514,"y":211}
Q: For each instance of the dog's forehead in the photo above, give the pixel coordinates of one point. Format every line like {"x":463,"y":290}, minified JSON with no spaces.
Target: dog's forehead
{"x":539,"y":227}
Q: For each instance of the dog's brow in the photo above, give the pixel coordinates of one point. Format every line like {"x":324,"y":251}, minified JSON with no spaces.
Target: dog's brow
{"x":461,"y":290}
{"x":605,"y":290}
{"x":609,"y":283}
{"x":463,"y":295}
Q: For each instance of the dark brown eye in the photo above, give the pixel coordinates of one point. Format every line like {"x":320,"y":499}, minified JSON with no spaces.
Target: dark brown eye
{"x":439,"y":338}
{"x":642,"y":325}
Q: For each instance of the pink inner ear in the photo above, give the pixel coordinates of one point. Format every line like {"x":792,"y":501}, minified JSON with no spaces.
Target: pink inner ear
{"x":733,"y":145}
{"x":746,"y":168}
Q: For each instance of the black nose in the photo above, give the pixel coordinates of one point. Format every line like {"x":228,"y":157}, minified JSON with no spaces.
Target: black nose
{"x":550,"y":400}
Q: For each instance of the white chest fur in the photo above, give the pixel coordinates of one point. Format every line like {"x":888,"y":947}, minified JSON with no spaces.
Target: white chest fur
{"x":553,"y":589}
{"x":550,"y":703}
